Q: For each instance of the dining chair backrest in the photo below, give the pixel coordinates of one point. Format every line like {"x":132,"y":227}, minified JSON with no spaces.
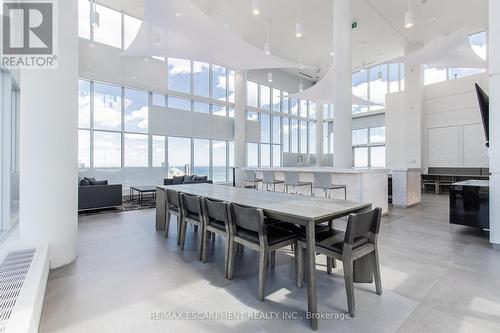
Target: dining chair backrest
{"x":248,"y":218}
{"x":268,"y":176}
{"x":215,"y":210}
{"x":291,"y":178}
{"x":172,"y":198}
{"x":322,"y":180}
{"x":363,"y":225}
{"x":191,"y":204}
{"x":250,"y":175}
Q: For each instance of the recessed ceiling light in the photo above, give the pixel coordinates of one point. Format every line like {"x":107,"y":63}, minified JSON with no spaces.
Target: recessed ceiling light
{"x":178,"y":14}
{"x":332,"y":53}
{"x":255,"y":8}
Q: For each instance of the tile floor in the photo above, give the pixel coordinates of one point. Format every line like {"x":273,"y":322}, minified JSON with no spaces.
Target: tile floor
{"x":434,"y":280}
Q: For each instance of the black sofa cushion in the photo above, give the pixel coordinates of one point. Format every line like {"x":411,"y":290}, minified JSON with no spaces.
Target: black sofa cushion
{"x":200,"y":179}
{"x":177,"y":180}
{"x":84,"y":182}
{"x":98,"y":182}
{"x":188,"y":179}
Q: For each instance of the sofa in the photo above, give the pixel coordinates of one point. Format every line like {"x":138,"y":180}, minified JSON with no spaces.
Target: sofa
{"x":187,"y":179}
{"x":94,"y":194}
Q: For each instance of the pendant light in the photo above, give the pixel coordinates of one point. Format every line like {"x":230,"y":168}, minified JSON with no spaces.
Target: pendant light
{"x":269,"y":76}
{"x":298,"y":24}
{"x":267,"y":44}
{"x":94,"y":15}
{"x":255,"y":8}
{"x":409,"y":17}
{"x":301,"y":85}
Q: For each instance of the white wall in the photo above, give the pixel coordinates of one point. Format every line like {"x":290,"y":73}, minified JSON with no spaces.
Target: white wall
{"x":452,"y":133}
{"x":48,"y":154}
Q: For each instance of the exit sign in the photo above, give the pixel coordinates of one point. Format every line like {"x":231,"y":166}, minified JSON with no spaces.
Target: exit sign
{"x":354,"y":24}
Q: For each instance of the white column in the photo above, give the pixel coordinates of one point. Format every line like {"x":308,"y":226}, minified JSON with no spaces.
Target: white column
{"x":319,"y":134}
{"x":412,"y":117}
{"x":342,"y":91}
{"x":48,"y":149}
{"x":240,"y":102}
{"x":494,"y":94}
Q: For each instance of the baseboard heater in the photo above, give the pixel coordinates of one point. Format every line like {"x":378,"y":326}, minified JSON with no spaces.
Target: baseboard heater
{"x":23,"y":278}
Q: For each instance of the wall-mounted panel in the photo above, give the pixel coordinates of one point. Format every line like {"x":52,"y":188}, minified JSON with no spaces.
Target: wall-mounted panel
{"x":443,"y":147}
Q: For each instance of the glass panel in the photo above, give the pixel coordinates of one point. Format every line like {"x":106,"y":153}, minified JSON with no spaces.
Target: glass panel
{"x":158,"y":151}
{"x":179,"y":75}
{"x":303,"y":108}
{"x":294,"y":106}
{"x":136,"y":111}
{"x":377,"y":134}
{"x":276,"y":129}
{"x":219,"y":83}
{"x":230,"y":86}
{"x":303,"y":136}
{"x":265,"y":97}
{"x":252,"y":94}
{"x":326,"y":149}
{"x":377,"y":157}
{"x":201,"y":79}
{"x":265,"y":155}
{"x":252,"y":154}
{"x":159,"y":100}
{"x":265,"y":128}
{"x":219,"y":110}
{"x":109,"y":31}
{"x":456,"y":73}
{"x":360,"y":137}
{"x":83,"y":104}
{"x":434,"y":75}
{"x":201,"y":160}
{"x":378,"y":86}
{"x":131,"y":27}
{"x":312,"y":137}
{"x":361,"y":157}
{"x":179,"y":155}
{"x":84,"y":19}
{"x":107,"y":107}
{"x":402,"y":76}
{"x":312,"y":110}
{"x":179,"y":103}
{"x":201,"y":107}
{"x":253,"y":116}
{"x":294,"y":124}
{"x":285,"y":102}
{"x":286,"y":135}
{"x":107,"y":149}
{"x":360,"y":89}
{"x":219,"y":161}
{"x":276,"y":100}
{"x":393,"y":77}
{"x":136,"y":150}
{"x":276,"y":155}
{"x":83,"y":149}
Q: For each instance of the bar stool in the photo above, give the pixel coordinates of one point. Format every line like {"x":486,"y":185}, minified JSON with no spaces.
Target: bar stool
{"x":251,"y":177}
{"x":292,"y":179}
{"x":269,"y":178}
{"x":323,"y":180}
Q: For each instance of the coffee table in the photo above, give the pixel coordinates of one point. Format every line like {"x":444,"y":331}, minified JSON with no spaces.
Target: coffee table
{"x":142,"y":190}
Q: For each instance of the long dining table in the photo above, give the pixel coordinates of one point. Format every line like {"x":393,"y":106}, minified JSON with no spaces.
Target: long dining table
{"x":299,"y":209}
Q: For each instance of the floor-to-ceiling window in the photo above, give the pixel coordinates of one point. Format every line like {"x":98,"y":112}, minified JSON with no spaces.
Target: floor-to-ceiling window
{"x":369,"y":147}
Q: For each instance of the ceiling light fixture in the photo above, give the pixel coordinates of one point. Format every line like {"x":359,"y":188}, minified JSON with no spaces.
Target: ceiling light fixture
{"x":298,"y":24}
{"x":409,"y":17}
{"x":332,"y":53}
{"x":255,"y":8}
{"x":269,"y":76}
{"x":301,"y":85}
{"x":267,"y":44}
{"x":94,"y":15}
{"x":301,"y":66}
{"x":267,"y":48}
{"x":178,"y":14}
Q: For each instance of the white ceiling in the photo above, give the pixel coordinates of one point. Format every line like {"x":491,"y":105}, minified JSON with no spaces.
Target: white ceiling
{"x":380,"y":25}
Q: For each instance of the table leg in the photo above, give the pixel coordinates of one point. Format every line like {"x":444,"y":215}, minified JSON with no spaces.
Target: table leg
{"x":311,"y":274}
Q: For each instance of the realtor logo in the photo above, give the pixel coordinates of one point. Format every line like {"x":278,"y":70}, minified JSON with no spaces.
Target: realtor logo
{"x":28,"y":34}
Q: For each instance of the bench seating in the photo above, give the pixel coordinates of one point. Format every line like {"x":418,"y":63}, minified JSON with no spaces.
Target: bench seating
{"x":438,"y":177}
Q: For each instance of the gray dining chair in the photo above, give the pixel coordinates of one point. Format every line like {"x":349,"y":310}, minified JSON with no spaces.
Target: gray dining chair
{"x":173,"y":208}
{"x":250,"y":176}
{"x":191,"y":212}
{"x":269,"y":178}
{"x":358,"y":241}
{"x":323,"y":181}
{"x":249,"y":227}
{"x":292,"y":179}
{"x":216,"y":221}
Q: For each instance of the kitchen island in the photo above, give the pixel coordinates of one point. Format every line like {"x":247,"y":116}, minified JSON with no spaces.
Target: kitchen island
{"x":363,"y":185}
